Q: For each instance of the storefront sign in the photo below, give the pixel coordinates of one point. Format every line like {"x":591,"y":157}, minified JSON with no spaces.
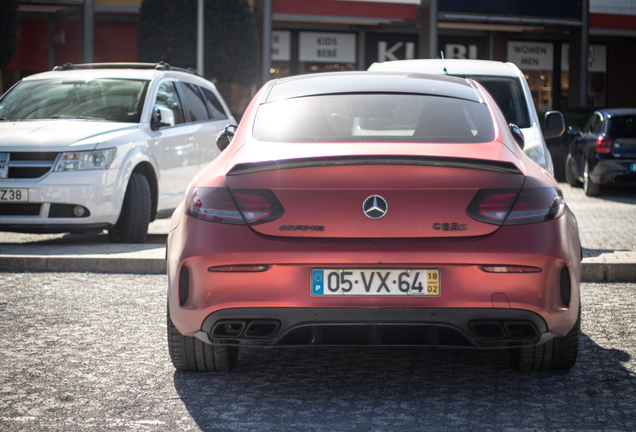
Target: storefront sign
{"x":383,"y":47}
{"x":531,"y":55}
{"x":281,"y":45}
{"x":413,"y":2}
{"x":559,"y":8}
{"x":457,"y":47}
{"x":327,"y":47}
{"x":596,"y":58}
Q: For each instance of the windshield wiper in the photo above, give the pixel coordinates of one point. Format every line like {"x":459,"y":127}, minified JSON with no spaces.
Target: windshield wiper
{"x":70,"y":117}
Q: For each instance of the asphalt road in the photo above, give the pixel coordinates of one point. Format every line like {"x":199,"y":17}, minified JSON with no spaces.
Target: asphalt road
{"x":88,"y":352}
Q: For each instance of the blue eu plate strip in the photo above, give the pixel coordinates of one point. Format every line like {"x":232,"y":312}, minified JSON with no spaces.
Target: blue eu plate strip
{"x":317,"y":281}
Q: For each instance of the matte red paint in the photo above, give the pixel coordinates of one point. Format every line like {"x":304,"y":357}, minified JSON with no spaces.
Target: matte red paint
{"x":333,"y":196}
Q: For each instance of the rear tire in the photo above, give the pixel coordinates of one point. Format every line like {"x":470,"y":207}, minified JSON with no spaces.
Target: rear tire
{"x":559,"y":353}
{"x":190,"y":354}
{"x":590,"y":188}
{"x":132,"y":225}
{"x":571,"y":173}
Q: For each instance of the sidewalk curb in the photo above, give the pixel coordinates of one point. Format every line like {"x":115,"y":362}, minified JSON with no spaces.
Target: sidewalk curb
{"x":21,"y":263}
{"x":603,"y":272}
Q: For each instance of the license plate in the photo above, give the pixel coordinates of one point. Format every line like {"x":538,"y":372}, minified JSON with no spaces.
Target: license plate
{"x":375,"y":282}
{"x":11,"y":195}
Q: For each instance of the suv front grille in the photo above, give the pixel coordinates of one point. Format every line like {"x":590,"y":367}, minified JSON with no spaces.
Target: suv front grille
{"x":27,"y":172}
{"x":30,"y":165}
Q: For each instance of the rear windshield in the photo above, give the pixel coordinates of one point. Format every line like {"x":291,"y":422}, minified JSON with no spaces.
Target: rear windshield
{"x":622,"y":127}
{"x":508,"y":94}
{"x":374,"y":118}
{"x":119,"y":100}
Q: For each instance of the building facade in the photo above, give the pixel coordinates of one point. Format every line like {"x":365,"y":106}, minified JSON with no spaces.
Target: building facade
{"x":543,"y":37}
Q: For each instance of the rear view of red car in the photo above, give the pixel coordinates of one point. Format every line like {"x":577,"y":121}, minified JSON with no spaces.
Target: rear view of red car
{"x":373,"y":209}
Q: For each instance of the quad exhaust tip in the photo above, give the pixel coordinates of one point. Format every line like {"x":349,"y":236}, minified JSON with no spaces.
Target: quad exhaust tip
{"x":246,"y":329}
{"x":497,"y":330}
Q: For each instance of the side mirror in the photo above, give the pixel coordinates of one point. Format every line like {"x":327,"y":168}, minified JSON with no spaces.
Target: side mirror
{"x":162,"y":117}
{"x":554,"y":125}
{"x":517,"y":135}
{"x":225,"y":137}
{"x":574,"y":130}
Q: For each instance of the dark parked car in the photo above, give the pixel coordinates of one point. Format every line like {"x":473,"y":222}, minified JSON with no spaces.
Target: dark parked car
{"x":604,"y":151}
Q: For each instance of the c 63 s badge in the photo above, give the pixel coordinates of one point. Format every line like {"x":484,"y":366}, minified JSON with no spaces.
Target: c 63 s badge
{"x":451,"y":226}
{"x":301,"y":228}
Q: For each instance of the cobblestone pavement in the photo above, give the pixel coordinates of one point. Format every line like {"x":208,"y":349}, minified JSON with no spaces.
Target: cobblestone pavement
{"x":606,"y":222}
{"x":87,"y":352}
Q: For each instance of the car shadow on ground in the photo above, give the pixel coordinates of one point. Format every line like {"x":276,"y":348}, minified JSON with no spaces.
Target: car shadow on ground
{"x":594,"y":253}
{"x":620,"y":193}
{"x":409,"y":389}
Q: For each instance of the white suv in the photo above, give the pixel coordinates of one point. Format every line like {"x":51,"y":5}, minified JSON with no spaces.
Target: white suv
{"x":94,"y":147}
{"x":508,"y":86}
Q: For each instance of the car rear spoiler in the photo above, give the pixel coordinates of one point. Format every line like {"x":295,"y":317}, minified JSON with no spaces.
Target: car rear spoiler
{"x":479,"y":164}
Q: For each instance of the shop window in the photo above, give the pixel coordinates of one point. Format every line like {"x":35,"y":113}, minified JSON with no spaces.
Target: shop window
{"x":540,"y":83}
{"x":314,"y":67}
{"x":280,"y":69}
{"x":596,"y":75}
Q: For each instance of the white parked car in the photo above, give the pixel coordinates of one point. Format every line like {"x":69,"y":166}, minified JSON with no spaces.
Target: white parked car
{"x":110,"y":146}
{"x":508,"y":86}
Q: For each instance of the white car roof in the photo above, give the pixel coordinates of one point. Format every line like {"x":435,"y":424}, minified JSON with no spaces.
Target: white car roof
{"x":144,"y":74}
{"x":454,"y":67}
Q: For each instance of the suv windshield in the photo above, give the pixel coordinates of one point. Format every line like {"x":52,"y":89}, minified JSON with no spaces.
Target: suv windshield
{"x":508,"y":94}
{"x":622,"y":127}
{"x":374,"y":117}
{"x":119,"y":100}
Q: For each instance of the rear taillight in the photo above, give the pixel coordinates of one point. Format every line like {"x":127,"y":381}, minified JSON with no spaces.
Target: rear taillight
{"x":505,"y":207}
{"x":492,"y":205}
{"x":603,"y":145}
{"x":241,"y":207}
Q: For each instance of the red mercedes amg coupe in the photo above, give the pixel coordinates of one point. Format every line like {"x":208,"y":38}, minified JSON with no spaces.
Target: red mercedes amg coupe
{"x":373,"y":209}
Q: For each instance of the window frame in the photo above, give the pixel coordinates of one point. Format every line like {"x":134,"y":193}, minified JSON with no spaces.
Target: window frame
{"x":179,"y":99}
{"x":185,"y":104}
{"x":208,"y":103}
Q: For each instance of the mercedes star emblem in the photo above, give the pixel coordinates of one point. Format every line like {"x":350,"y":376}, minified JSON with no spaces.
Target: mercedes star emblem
{"x":375,"y":207}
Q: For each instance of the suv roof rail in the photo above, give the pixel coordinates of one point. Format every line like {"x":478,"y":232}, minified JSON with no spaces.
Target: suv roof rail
{"x":156,"y":66}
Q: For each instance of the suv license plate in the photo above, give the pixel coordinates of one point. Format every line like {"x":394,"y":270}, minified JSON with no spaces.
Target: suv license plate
{"x":375,"y":282}
{"x":11,"y":195}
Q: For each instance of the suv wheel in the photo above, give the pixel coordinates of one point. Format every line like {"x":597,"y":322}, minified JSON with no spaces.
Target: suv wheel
{"x":559,"y":353}
{"x":590,"y":188}
{"x":190,"y":354}
{"x":571,"y":172}
{"x":132,"y":225}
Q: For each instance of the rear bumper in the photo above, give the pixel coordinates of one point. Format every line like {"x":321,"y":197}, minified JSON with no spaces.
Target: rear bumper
{"x":284,"y":288}
{"x":613,"y":170}
{"x":468,"y":328}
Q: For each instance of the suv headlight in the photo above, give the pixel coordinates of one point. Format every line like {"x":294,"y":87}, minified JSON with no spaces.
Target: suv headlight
{"x":85,"y":160}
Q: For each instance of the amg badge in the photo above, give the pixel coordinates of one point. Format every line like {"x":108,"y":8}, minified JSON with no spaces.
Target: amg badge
{"x":301,"y":228}
{"x":450,"y":226}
